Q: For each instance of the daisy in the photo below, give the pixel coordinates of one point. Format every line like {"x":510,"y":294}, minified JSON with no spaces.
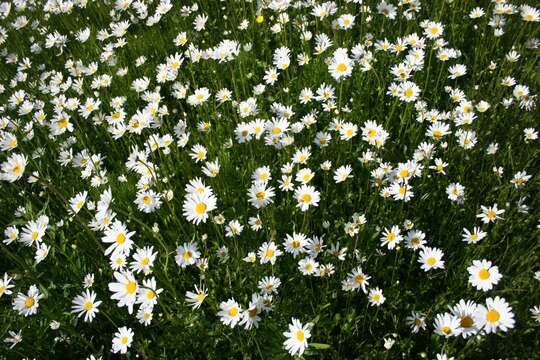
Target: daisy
{"x":269,"y":284}
{"x":268,"y":253}
{"x":187,"y":254}
{"x":197,"y":206}
{"x":122,"y":340}
{"x":417,"y":321}
{"x":358,"y":280}
{"x":124,"y":290}
{"x":27,"y":304}
{"x":482,"y":275}
{"x":119,"y":238}
{"x":148,"y":293}
{"x":490,"y":214}
{"x":376,"y":297}
{"x":431,"y":258}
{"x":474,"y":236}
{"x":86,"y":305}
{"x":77,"y":202}
{"x":295,"y":244}
{"x":535,"y":313}
{"x":465,"y":310}
{"x":391,"y":237}
{"x":234,"y":228}
{"x":415,"y":239}
{"x":496,"y":314}
{"x":342,"y":173}
{"x":5,"y":285}
{"x":143,"y":260}
{"x":306,"y":196}
{"x":230,"y":312}
{"x":197,"y":297}
{"x":260,"y":195}
{"x":13,"y":339}
{"x":250,"y":316}
{"x":148,"y":201}
{"x":341,"y":65}
{"x":308,"y":266}
{"x":447,"y":325}
{"x":297,"y":337}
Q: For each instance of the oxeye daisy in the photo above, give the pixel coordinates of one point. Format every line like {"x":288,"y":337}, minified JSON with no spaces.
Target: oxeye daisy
{"x":197,"y":297}
{"x":391,"y":237}
{"x":119,"y":238}
{"x":376,"y":297}
{"x":431,"y":258}
{"x":490,"y":213}
{"x":306,"y":196}
{"x":197,"y":206}
{"x":5,"y":285}
{"x":86,"y":305}
{"x":122,"y":340}
{"x":27,"y":304}
{"x":297,"y":337}
{"x":482,"y":275}
{"x":494,"y":315}
{"x":230,"y":312}
{"x":124,"y":290}
{"x":187,"y":254}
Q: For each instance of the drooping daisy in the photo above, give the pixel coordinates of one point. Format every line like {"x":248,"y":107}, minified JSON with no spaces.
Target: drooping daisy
{"x":86,"y":305}
{"x":482,"y":275}
{"x":297,"y":337}
{"x":447,"y":325}
{"x":197,"y":297}
{"x":5,"y":285}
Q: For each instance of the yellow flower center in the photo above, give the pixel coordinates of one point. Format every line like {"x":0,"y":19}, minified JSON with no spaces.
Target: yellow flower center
{"x":483,"y":274}
{"x":305,"y":198}
{"x":88,"y":306}
{"x":493,"y":316}
{"x":431,"y":261}
{"x":200,"y":208}
{"x":300,"y":335}
{"x":233,"y":311}
{"x":341,"y":67}
{"x":269,"y":253}
{"x":124,"y":340}
{"x":29,"y":302}
{"x":120,"y":239}
{"x":131,"y":287}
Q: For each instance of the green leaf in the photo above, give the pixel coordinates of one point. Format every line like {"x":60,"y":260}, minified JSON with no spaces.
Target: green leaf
{"x":319,"y":346}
